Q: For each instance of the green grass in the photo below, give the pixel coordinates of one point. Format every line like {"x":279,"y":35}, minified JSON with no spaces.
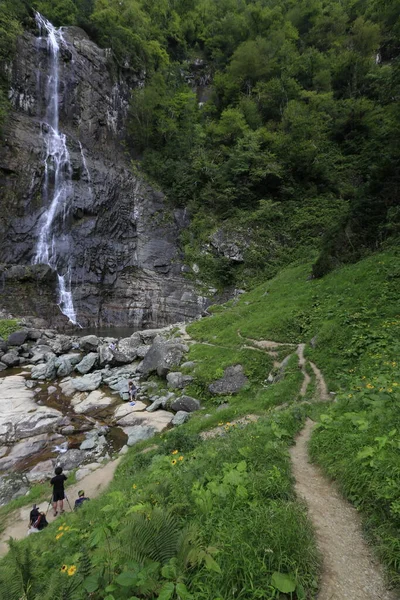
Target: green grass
{"x":8,"y":326}
{"x":234,"y":494}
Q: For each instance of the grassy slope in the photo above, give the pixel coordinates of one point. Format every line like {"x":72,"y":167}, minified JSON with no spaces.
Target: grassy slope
{"x":228,"y":488}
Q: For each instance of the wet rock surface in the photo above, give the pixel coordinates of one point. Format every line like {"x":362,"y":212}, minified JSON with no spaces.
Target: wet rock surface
{"x":123,"y":253}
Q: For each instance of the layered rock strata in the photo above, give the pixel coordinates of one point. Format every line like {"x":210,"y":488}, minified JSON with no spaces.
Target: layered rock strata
{"x":120,"y":241}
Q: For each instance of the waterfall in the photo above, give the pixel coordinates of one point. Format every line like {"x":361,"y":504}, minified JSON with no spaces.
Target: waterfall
{"x":53,"y":243}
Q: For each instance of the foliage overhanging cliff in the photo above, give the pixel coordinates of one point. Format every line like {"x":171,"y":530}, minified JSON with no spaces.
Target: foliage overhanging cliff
{"x":295,"y":149}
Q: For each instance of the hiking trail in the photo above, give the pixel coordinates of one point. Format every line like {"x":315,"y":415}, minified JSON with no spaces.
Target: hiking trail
{"x":93,"y":484}
{"x":349,"y":569}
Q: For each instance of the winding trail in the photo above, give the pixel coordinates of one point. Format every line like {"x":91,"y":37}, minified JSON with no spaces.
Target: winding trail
{"x":349,"y":569}
{"x":93,"y":484}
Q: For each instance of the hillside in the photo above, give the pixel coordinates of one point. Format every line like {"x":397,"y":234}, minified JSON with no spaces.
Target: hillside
{"x":208,"y":510}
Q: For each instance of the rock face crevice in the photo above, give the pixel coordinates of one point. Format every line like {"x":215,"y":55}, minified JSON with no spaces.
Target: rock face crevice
{"x":120,"y":240}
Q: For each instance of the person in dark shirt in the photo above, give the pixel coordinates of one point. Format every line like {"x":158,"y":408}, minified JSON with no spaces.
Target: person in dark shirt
{"x":58,"y":490}
{"x":37,"y":520}
{"x":79,"y":501}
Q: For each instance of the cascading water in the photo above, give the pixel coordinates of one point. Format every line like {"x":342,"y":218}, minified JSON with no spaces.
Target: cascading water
{"x":52,"y":246}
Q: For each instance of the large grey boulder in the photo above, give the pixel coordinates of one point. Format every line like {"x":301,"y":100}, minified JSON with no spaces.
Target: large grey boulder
{"x":45,"y":371}
{"x":162,"y":357}
{"x":11,"y":359}
{"x":26,"y":448}
{"x":185,"y":403}
{"x":178,"y":381}
{"x":41,"y":472}
{"x":129,"y":346}
{"x":142,"y":351}
{"x":65,"y":364}
{"x":232,"y":382}
{"x":156,"y":404}
{"x":119,"y":358}
{"x":86,"y":403}
{"x":148,"y":335}
{"x":138,"y":433}
{"x":39,"y":353}
{"x":159,"y":420}
{"x":72,"y":459}
{"x":180,"y":418}
{"x":12,"y":486}
{"x":17,"y":338}
{"x":87,"y":383}
{"x":106,"y":355}
{"x":60,"y":344}
{"x":87,"y":363}
{"x":89,"y":343}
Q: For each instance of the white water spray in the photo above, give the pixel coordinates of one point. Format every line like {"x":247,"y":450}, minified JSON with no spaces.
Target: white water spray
{"x":57,"y":184}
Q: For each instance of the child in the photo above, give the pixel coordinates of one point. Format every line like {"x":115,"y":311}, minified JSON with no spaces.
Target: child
{"x":58,"y":490}
{"x":132,"y":393}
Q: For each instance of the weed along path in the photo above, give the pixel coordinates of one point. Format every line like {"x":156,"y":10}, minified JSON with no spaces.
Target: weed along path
{"x":349,"y":570}
{"x":93,"y":484}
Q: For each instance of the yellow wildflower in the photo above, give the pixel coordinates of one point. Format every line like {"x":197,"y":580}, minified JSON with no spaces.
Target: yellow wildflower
{"x":390,"y":390}
{"x":134,"y":486}
{"x":59,"y":535}
{"x":61,"y":528}
{"x":173,"y":462}
{"x":175,"y":452}
{"x":370,"y":386}
{"x":72,"y":570}
{"x":220,"y":424}
{"x":350,"y":396}
{"x":64,"y":568}
{"x":67,"y":528}
{"x":181,"y":458}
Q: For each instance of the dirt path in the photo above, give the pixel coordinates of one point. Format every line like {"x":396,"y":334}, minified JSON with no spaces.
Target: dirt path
{"x":93,"y":484}
{"x":349,"y":570}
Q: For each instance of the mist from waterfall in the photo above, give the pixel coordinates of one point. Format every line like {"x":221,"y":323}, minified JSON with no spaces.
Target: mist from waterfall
{"x":57,"y":186}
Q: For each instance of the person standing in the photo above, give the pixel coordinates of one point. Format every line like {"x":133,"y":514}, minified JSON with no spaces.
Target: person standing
{"x":132,"y":390}
{"x":58,"y":490}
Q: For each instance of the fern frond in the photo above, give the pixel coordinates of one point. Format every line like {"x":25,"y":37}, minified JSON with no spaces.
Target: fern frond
{"x":154,"y":536}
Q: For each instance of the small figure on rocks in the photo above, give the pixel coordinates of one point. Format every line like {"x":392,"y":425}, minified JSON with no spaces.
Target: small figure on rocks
{"x":112,"y":346}
{"x":58,"y":490}
{"x":79,"y":501}
{"x":132,"y":391}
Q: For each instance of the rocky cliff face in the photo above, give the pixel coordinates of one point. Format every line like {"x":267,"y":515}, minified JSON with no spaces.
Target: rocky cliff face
{"x":119,"y":242}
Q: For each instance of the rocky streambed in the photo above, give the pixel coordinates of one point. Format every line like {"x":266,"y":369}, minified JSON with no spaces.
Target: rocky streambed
{"x":64,"y":399}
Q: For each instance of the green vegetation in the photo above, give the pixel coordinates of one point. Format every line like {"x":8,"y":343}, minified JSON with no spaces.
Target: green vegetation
{"x":294,"y":149}
{"x":189,"y":519}
{"x":7,"y":326}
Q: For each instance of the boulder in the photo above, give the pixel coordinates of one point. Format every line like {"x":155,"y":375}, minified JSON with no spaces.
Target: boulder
{"x":106,"y":355}
{"x":39,"y":353}
{"x":72,"y":459}
{"x":61,"y":344}
{"x":67,"y":430}
{"x":119,"y":358}
{"x":148,"y":335}
{"x":124,"y":410}
{"x":86,"y":470}
{"x":88,"y":444}
{"x":87,"y":383}
{"x":232,"y":382}
{"x":17,"y":338}
{"x":89,"y":343}
{"x":159,"y":403}
{"x":45,"y":371}
{"x":87,"y":363}
{"x":142,"y":351}
{"x":11,"y":359}
{"x":20,"y":417}
{"x":34,"y":334}
{"x":42,"y":471}
{"x":3,"y":367}
{"x":129,"y":346}
{"x":185,"y":403}
{"x":3,"y":346}
{"x":138,"y":433}
{"x":162,"y":357}
{"x":24,"y":449}
{"x":96,"y":400}
{"x":65,"y":364}
{"x":177,"y":380}
{"x":159,"y":420}
{"x":180,"y":418}
{"x":12,"y":486}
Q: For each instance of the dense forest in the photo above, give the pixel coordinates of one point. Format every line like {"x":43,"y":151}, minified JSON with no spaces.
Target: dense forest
{"x":292,"y":148}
